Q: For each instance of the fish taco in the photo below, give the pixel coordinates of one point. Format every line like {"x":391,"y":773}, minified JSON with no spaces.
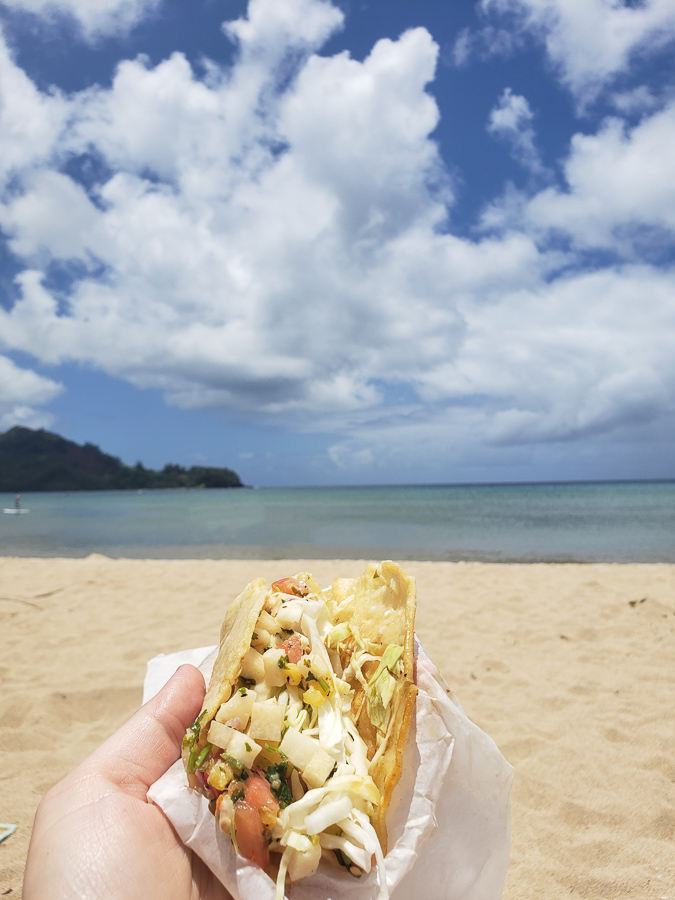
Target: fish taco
{"x":300,"y":740}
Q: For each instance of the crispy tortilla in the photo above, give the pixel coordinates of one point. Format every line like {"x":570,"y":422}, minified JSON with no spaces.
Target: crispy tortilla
{"x":380,"y":607}
{"x":235,"y":640}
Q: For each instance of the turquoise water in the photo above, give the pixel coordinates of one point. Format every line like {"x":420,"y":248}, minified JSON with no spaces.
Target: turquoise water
{"x":614,"y":522}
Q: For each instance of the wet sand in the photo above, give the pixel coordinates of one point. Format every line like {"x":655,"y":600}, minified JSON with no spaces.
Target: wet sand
{"x":570,"y":668}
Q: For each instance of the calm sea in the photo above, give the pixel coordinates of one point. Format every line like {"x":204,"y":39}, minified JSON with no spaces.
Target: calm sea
{"x":614,"y":522}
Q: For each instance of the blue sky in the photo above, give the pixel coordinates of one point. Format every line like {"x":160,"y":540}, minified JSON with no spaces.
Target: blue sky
{"x":342,"y":243}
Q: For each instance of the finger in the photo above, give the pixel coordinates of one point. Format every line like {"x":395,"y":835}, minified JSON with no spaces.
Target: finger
{"x":145,"y":746}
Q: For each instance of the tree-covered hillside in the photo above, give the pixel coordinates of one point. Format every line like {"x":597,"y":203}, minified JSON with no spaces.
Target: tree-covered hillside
{"x":42,"y":461}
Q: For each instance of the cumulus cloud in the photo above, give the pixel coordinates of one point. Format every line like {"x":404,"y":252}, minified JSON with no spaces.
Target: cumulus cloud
{"x":620,"y":188}
{"x":590,"y":42}
{"x":274,"y":238}
{"x":243,"y":270}
{"x":31,"y":122}
{"x":21,"y":390}
{"x":93,"y":17}
{"x":511,"y":119}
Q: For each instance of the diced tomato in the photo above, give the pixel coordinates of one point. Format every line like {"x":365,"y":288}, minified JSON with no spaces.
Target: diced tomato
{"x":250,"y":833}
{"x":258,"y":793}
{"x":293,"y":648}
{"x":291,"y":586}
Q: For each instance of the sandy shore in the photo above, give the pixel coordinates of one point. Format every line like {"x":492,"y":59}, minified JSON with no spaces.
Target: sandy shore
{"x":570,"y":668}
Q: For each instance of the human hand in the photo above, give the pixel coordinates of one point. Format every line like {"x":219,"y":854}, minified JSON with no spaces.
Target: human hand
{"x":95,"y":834}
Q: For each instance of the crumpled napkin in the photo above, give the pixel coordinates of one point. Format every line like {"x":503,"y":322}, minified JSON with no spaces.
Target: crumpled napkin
{"x":448,"y":823}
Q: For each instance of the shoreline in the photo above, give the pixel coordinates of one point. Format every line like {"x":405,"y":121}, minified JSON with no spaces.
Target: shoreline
{"x":291,"y":552}
{"x":570,"y":667}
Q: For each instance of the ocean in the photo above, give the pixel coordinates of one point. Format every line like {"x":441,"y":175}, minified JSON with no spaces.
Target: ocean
{"x":578,"y":522}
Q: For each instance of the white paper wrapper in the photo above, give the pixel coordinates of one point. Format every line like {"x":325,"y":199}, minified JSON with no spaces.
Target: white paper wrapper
{"x":448,"y":823}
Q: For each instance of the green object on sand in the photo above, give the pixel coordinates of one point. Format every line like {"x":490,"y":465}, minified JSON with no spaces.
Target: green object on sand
{"x":6,"y":831}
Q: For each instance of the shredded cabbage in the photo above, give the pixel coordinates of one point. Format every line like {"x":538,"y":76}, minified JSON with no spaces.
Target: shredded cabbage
{"x":382,"y":685}
{"x":348,"y":797}
{"x":360,"y":829}
{"x":281,"y":877}
{"x":328,"y":813}
{"x":357,"y":854}
{"x":331,"y":731}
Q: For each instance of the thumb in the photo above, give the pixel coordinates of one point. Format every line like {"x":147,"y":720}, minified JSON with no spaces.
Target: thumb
{"x":144,"y":747}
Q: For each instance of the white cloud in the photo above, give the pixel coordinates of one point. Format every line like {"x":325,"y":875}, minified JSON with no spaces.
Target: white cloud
{"x":511,"y":119}
{"x":30,"y":121}
{"x":270,"y":30}
{"x":591,"y":41}
{"x":241,"y":253}
{"x":21,"y":390}
{"x":484,"y":43}
{"x":635,"y":101}
{"x":586,"y":357}
{"x":34,"y":219}
{"x":276,"y":242}
{"x":620,"y":181}
{"x":94,"y":17}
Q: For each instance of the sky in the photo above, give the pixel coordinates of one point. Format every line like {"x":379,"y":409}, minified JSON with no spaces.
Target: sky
{"x":360,"y":242}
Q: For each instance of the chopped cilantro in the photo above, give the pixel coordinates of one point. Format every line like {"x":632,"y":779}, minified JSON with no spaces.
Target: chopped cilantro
{"x":276,"y":775}
{"x":202,"y":756}
{"x":243,"y":691}
{"x":270,"y":749}
{"x":192,"y":758}
{"x":196,"y":725}
{"x":248,"y":746}
{"x":195,"y":757}
{"x":283,"y":662}
{"x":232,"y":763}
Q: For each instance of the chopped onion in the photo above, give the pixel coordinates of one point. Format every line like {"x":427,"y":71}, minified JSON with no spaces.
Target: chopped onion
{"x":297,"y":841}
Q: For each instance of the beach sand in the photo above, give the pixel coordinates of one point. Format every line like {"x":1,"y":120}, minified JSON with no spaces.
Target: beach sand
{"x":570,"y":668}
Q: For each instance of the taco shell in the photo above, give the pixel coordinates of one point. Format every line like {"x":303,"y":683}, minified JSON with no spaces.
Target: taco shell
{"x":380,"y":606}
{"x":376,"y":615}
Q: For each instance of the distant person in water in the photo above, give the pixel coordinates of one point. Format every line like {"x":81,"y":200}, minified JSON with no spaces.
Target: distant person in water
{"x":17,"y":501}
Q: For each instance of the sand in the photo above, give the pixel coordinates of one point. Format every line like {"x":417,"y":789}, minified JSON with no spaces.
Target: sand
{"x":570,"y":668}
